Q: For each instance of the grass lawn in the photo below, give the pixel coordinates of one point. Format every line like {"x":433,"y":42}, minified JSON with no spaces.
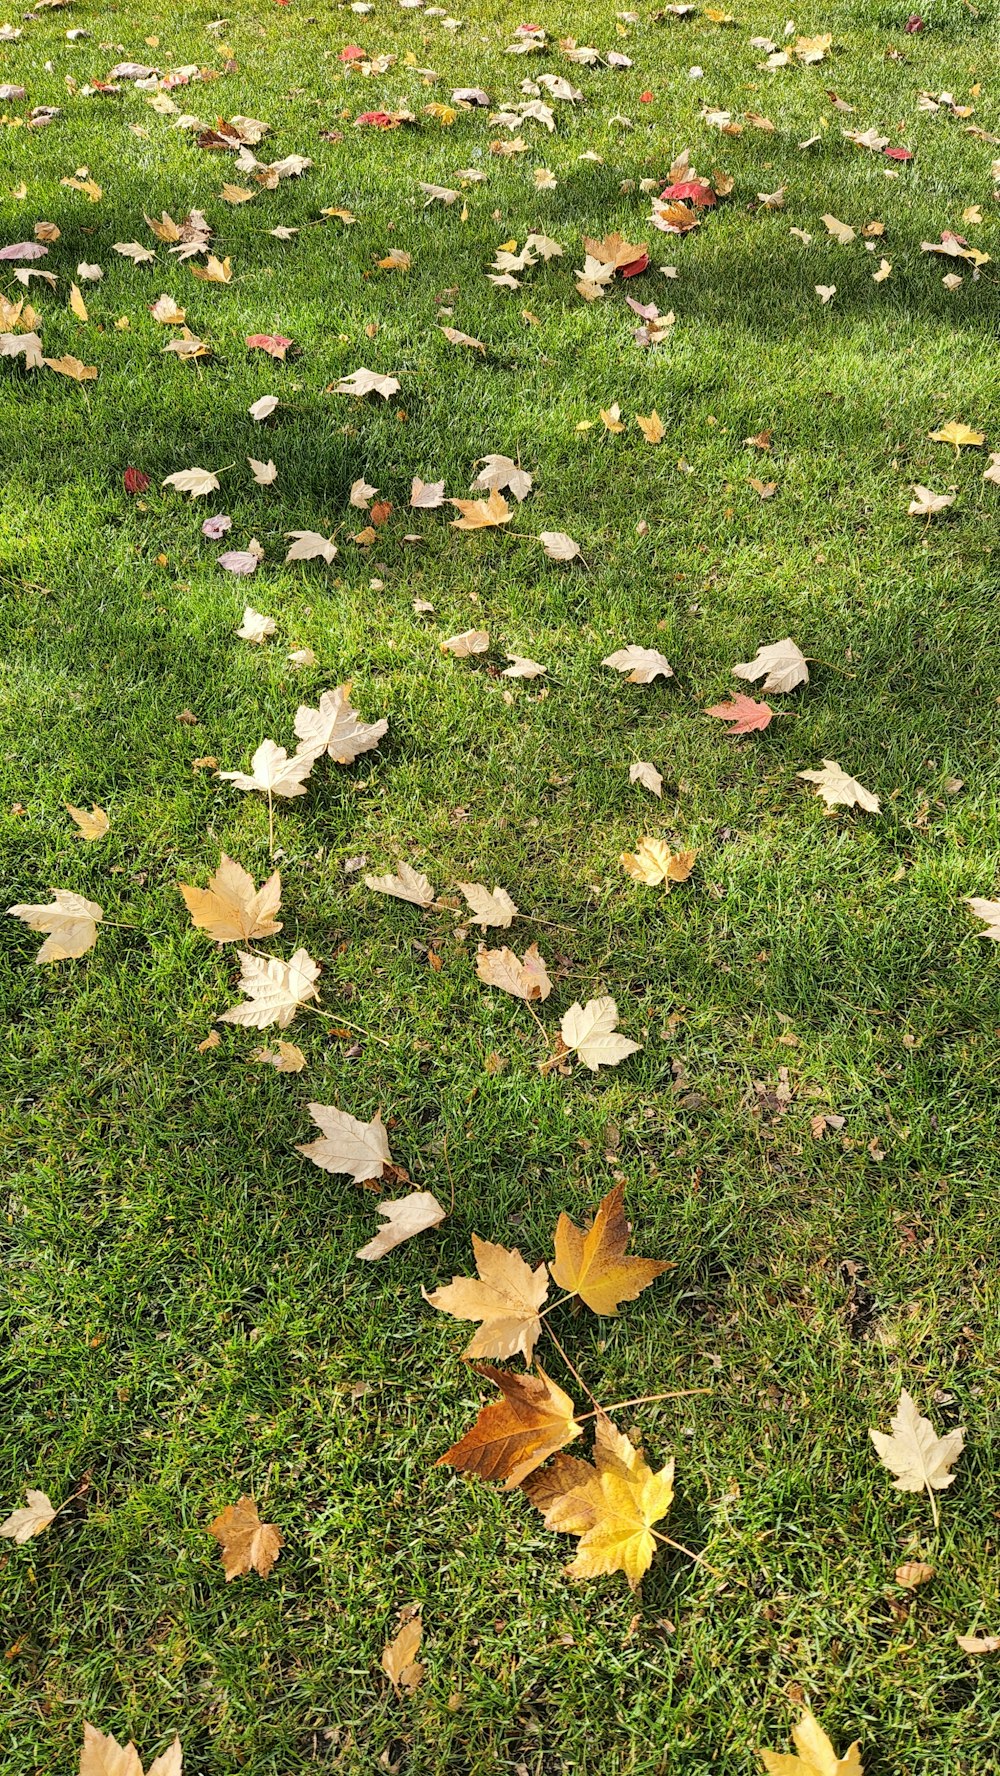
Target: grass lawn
{"x":183,"y":1317}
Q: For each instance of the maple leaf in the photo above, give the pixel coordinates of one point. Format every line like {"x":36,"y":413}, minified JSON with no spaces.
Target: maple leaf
{"x":361,"y":493}
{"x":255,"y":626}
{"x":513,"y":1436}
{"x":816,"y":1756}
{"x":593,"y":1265}
{"x":826,"y":292}
{"x":989,"y":911}
{"x":651,"y":427}
{"x":471,"y":641}
{"x":958,"y":435}
{"x":274,"y":990}
{"x":361,"y":1149}
{"x":196,"y":482}
{"x":781,"y":665}
{"x":653,"y":863}
{"x":839,"y":790}
{"x":918,"y":1457}
{"x":335,"y":729}
{"x":927,"y":503}
{"x":273,"y":772}
{"x":408,"y":884}
{"x":746,"y":715}
{"x":455,"y":337}
{"x":264,"y":474}
{"x":166,"y":311}
{"x":70,"y":920}
{"x":309,"y":545}
{"x":839,"y":230}
{"x":527,"y":979}
{"x":231,"y":909}
{"x":275,"y":344}
{"x":406,"y":1216}
{"x":591,"y":1030}
{"x":426,"y":496}
{"x":558,"y":546}
{"x":246,"y":1544}
{"x":245,"y":562}
{"x":69,"y":366}
{"x":521,"y":667}
{"x":366,"y":382}
{"x":914,"y":1573}
{"x":31,"y":1518}
{"x":505,"y":1297}
{"x":645,"y":773}
{"x":94,"y":825}
{"x":287,"y":1057}
{"x":488,"y":908}
{"x":481,"y":514}
{"x":610,"y":1506}
{"x":214,"y":271}
{"x":103,"y":1756}
{"x":438,"y":193}
{"x":641,"y":664}
{"x":236,"y":194}
{"x":399,"y":1657}
{"x":625,"y":256}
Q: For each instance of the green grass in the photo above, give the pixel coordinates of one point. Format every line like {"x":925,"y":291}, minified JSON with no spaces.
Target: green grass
{"x":183,"y":1317}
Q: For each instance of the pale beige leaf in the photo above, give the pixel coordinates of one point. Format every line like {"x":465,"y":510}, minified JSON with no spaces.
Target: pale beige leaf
{"x":505,"y":1297}
{"x":274,"y":990}
{"x":914,"y":1452}
{"x":976,"y":1644}
{"x":840,"y":231}
{"x":72,"y":367}
{"x":93,"y":825}
{"x":399,"y":1658}
{"x":526,"y":979}
{"x":455,"y":336}
{"x":272,"y":770}
{"x":169,"y":1762}
{"x":166,"y":311}
{"x":31,"y":1518}
{"x":558,"y":546}
{"x":914,"y":1573}
{"x":426,"y":496}
{"x":335,"y":729}
{"x":367,"y":382}
{"x":406,"y":1216}
{"x":645,"y":773}
{"x":989,"y":912}
{"x":361,"y":1149}
{"x":361,"y":493}
{"x":246,"y":1544}
{"x":77,"y":305}
{"x":196,"y":482}
{"x":25,"y":345}
{"x":839,"y":790}
{"x":231,"y":909}
{"x":103,"y":1756}
{"x":264,"y":474}
{"x":407,"y":884}
{"x":70,"y":920}
{"x":521,"y":667}
{"x":287,"y":1057}
{"x":501,"y":472}
{"x":488,"y":908}
{"x":781,"y":665}
{"x":641,"y":664}
{"x":470,"y":641}
{"x":255,"y":626}
{"x":263,"y":409}
{"x":591,"y":1030}
{"x":310,"y":545}
{"x":926,"y":503}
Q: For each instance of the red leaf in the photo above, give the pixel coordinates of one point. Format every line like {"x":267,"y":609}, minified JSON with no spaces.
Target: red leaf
{"x":352,"y":53}
{"x":273,"y":343}
{"x":695,"y":191}
{"x":899,"y":153}
{"x":913,"y":23}
{"x":645,"y":98}
{"x":377,"y":120}
{"x":637,"y":266}
{"x":135,"y":481}
{"x":746,"y":715}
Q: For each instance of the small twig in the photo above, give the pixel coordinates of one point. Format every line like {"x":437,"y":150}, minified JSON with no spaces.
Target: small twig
{"x":573,"y":1370}
{"x":643,"y":1400}
{"x":270,"y":823}
{"x":447,"y":1167}
{"x":334,"y":1017}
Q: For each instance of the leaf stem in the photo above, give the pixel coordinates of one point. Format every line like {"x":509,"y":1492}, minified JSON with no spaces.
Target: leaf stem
{"x":334,"y":1017}
{"x":270,"y":823}
{"x":557,"y":1303}
{"x":699,"y":1559}
{"x":573,"y":1370}
{"x":643,"y":1399}
{"x":935,"y":1513}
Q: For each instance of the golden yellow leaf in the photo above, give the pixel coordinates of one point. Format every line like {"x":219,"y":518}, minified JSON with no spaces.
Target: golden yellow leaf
{"x":236,"y":194}
{"x":72,"y":367}
{"x":958,"y":434}
{"x":103,"y":1756}
{"x":593,"y":1265}
{"x":816,"y":1756}
{"x":482,"y":514}
{"x":513,"y":1436}
{"x":654,"y":864}
{"x":245,"y":1542}
{"x":231,"y":909}
{"x":93,"y":825}
{"x":77,"y":305}
{"x":652,"y":428}
{"x":214,"y":271}
{"x":610,"y":1506}
{"x":505,"y":1297}
{"x":88,"y":186}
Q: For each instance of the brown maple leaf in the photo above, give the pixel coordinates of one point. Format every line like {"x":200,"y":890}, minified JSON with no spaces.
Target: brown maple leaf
{"x":513,"y":1436}
{"x":593,"y":1265}
{"x":247,"y":1544}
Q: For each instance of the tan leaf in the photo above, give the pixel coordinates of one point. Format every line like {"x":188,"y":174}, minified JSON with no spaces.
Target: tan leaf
{"x":426,"y":496}
{"x":826,"y":292}
{"x":527,"y":979}
{"x":310,"y":545}
{"x":367,"y":382}
{"x":231,"y":909}
{"x":502,"y":472}
{"x":31,"y":1518}
{"x":361,"y":1149}
{"x":488,"y":908}
{"x":361,"y":493}
{"x":470,"y":641}
{"x":976,"y":1644}
{"x":93,"y":825}
{"x":481,"y":514}
{"x":513,"y":1436}
{"x":655,"y":865}
{"x":77,"y":305}
{"x":914,"y":1573}
{"x":989,"y":911}
{"x":781,"y":665}
{"x":132,"y":250}
{"x":406,"y":1216}
{"x":521,"y":667}
{"x":645,"y":773}
{"x":70,"y":920}
{"x":926,"y":503}
{"x":265,"y":474}
{"x":236,"y":194}
{"x":69,"y":366}
{"x":455,"y":337}
{"x":247,"y":1544}
{"x":25,"y":345}
{"x":287,"y":1057}
{"x":558,"y":546}
{"x":399,"y":1658}
{"x":652,"y":428}
{"x":641,"y":664}
{"x":839,"y":790}
{"x":166,"y":311}
{"x":395,"y":260}
{"x":214,"y":271}
{"x":610,"y":1506}
{"x":272,"y":771}
{"x":274,"y":990}
{"x":816,"y":1756}
{"x":593,"y":1265}
{"x":197,"y":482}
{"x":407,"y":884}
{"x":335,"y":729}
{"x":255,"y":626}
{"x":839,"y":230}
{"x":914,"y":1452}
{"x":591,"y":1030}
{"x":505,"y":1297}
{"x":103,"y":1756}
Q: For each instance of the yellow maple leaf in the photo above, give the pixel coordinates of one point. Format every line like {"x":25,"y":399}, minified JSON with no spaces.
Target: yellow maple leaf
{"x":611,"y":1506}
{"x":653,"y":863}
{"x":651,"y":427}
{"x":482,"y":514}
{"x":816,"y":1756}
{"x":593,"y":1265}
{"x":958,"y":434}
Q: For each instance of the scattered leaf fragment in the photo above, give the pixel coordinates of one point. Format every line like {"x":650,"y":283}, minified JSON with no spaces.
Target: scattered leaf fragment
{"x":406,"y":1216}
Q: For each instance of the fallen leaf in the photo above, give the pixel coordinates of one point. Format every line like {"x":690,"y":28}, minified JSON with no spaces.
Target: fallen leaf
{"x":513,"y":1436}
{"x":70,"y":920}
{"x":361,"y":493}
{"x":406,"y":1216}
{"x":641,"y":664}
{"x":455,"y":337}
{"x":826,"y":292}
{"x":501,"y":472}
{"x":408,"y":884}
{"x":265,"y":474}
{"x":426,"y":496}
{"x":287,"y":1057}
{"x":914,"y":1573}
{"x":470,"y":641}
{"x":274,"y":344}
{"x":976,"y":1644}
{"x":35,"y":1516}
{"x":490,"y":908}
{"x":69,"y":366}
{"x":103,"y":1756}
{"x":367,"y":382}
{"x":558,"y":546}
{"x":610,"y":1506}
{"x":274,"y":990}
{"x":521,"y":667}
{"x":816,"y":1756}
{"x":781,"y":665}
{"x":746,"y":715}
{"x":255,"y":626}
{"x":646,"y":774}
{"x":93,"y":825}
{"x":839,"y":230}
{"x":214,"y":271}
{"x":591,"y":1030}
{"x":926,"y":503}
{"x":653,"y":864}
{"x":196,"y":482}
{"x":959,"y":435}
{"x":246,"y":1544}
{"x":481,"y":514}
{"x":361,"y":1149}
{"x":166,"y":311}
{"x":839,"y":790}
{"x":593,"y":1265}
{"x":77,"y":305}
{"x":505,"y":1297}
{"x":231,"y":909}
{"x":309,"y":545}
{"x":335,"y":729}
{"x":914,"y":1452}
{"x":989,"y":911}
{"x":273,"y":772}
{"x":399,"y":1658}
{"x":263,"y":409}
{"x":526,"y":979}
{"x":652,"y":428}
